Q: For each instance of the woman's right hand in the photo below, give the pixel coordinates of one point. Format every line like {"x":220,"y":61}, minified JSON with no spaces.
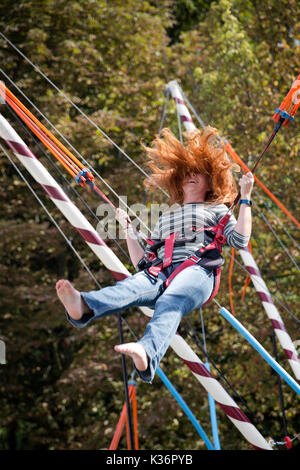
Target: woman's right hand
{"x":123,"y":218}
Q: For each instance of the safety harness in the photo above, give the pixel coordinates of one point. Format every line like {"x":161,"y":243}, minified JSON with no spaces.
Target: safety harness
{"x":209,"y":256}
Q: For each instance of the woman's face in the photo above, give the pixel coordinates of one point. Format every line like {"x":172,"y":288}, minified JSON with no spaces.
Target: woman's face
{"x":196,"y":184}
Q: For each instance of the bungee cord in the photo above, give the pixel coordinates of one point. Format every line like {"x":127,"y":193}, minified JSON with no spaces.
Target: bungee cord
{"x":122,"y":152}
{"x":235,"y":323}
{"x":70,"y":186}
{"x":86,"y":163}
{"x":83,"y":174}
{"x":279,"y":382}
{"x":211,"y":401}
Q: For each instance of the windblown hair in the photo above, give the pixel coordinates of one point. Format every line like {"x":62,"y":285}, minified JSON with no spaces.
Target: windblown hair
{"x":172,"y":161}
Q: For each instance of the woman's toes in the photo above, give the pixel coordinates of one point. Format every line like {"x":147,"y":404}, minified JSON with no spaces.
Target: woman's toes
{"x":70,"y":298}
{"x":59,"y":284}
{"x":136,"y":352}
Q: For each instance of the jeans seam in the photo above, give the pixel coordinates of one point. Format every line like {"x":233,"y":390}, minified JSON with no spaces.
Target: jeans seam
{"x":168,"y":336}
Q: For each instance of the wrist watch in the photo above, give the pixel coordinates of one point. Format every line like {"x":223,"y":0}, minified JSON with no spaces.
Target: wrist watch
{"x":245,"y":201}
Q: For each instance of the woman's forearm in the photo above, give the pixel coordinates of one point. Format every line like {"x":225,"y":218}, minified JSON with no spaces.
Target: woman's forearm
{"x":244,"y":221}
{"x":135,"y":250}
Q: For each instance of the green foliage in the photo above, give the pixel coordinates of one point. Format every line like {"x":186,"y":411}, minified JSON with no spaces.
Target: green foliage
{"x":62,"y":388}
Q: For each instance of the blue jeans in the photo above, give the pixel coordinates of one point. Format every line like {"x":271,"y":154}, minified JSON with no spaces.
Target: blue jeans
{"x":190,"y":289}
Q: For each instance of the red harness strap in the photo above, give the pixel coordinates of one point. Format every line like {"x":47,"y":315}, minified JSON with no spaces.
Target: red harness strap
{"x":154,"y":270}
{"x":169,"y":246}
{"x":219,"y":241}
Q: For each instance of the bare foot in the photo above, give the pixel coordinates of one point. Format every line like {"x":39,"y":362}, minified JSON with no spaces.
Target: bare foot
{"x":71,"y":299}
{"x":136,"y":352}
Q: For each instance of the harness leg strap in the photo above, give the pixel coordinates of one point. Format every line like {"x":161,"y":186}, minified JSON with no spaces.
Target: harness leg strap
{"x":169,"y":246}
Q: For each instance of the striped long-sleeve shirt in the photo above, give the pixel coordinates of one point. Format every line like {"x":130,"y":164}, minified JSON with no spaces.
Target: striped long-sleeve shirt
{"x":197,"y":215}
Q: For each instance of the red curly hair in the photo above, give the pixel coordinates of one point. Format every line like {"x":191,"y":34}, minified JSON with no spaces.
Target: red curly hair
{"x":172,"y":161}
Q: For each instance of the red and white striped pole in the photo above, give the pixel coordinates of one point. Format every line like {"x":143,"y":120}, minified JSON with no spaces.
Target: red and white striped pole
{"x":183,"y":111}
{"x":114,"y":265}
{"x":259,"y":284}
{"x":272,"y":312}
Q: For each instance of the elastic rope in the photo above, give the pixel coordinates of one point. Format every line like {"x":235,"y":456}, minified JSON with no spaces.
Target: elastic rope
{"x":73,"y":171}
{"x":238,"y":160}
{"x":97,"y":190}
{"x":283,"y":443}
{"x":70,"y":186}
{"x":276,"y":236}
{"x":77,"y":108}
{"x":203,"y":329}
{"x":55,"y":142}
{"x":127,"y":399}
{"x":120,"y":426}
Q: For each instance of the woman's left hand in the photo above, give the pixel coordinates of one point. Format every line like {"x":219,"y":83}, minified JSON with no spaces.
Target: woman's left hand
{"x":246,"y":183}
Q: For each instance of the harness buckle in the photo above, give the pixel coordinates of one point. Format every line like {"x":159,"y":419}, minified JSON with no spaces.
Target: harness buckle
{"x":154,"y":270}
{"x":220,"y":238}
{"x":194,"y":258}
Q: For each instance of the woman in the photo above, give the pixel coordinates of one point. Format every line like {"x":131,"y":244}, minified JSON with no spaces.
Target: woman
{"x":198,"y":177}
